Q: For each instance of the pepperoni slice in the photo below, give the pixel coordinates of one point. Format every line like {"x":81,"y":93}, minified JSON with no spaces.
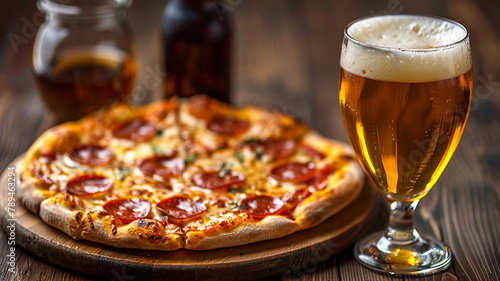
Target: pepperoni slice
{"x":294,"y":172}
{"x":202,"y":106}
{"x":279,"y":149}
{"x":293,"y":198}
{"x":320,"y":179}
{"x":213,"y":180}
{"x":274,"y":148}
{"x":136,"y":130}
{"x":263,"y":205}
{"x":89,"y":185}
{"x":180,"y":209}
{"x":227,"y":125}
{"x":163,"y":166}
{"x":312,"y":151}
{"x":128,"y":210}
{"x":92,"y":155}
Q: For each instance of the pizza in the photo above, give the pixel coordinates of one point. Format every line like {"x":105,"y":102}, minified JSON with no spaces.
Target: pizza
{"x":195,"y":173}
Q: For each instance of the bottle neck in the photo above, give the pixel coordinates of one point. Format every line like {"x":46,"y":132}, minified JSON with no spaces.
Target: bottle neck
{"x":196,"y":3}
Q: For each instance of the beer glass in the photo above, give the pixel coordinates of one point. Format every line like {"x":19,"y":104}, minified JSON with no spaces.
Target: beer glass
{"x":405,"y":91}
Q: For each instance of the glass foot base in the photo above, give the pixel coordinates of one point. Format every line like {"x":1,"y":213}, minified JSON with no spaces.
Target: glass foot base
{"x":418,"y":257}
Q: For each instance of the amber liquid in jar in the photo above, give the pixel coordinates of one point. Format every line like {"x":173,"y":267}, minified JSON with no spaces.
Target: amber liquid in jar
{"x":79,"y":82}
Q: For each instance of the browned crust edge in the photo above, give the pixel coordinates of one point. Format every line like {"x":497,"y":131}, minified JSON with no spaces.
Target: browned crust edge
{"x":344,"y":186}
{"x":271,"y":227}
{"x":151,"y":235}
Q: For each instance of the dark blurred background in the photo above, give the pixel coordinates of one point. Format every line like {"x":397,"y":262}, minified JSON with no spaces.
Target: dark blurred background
{"x":285,"y":55}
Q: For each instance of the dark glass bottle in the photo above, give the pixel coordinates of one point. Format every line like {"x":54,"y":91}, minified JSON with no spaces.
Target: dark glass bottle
{"x":197,"y":37}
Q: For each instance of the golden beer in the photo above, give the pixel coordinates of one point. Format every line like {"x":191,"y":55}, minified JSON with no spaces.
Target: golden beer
{"x":405,"y":92}
{"x":404,"y":132}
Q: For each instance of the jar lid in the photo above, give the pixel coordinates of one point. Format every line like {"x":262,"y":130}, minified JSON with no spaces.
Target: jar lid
{"x":82,"y":8}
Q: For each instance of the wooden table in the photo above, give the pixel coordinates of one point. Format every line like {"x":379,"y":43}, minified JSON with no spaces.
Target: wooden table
{"x":286,"y":57}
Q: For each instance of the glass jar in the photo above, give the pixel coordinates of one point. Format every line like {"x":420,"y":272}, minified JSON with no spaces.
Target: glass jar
{"x":197,"y":37}
{"x":83,"y":56}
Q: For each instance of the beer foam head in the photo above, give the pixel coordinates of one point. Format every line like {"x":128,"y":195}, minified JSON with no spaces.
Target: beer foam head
{"x":405,"y":48}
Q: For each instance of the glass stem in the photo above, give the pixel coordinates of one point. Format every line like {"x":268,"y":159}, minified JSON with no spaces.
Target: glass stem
{"x":401,"y":227}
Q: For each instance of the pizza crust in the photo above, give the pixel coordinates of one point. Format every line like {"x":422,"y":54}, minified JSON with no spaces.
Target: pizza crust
{"x":343,"y":187}
{"x":140,"y":234}
{"x":31,"y":196}
{"x":57,"y":139}
{"x":339,"y":193}
{"x":270,"y":227}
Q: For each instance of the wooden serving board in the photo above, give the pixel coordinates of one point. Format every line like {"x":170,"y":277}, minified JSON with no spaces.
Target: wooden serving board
{"x":298,"y":252}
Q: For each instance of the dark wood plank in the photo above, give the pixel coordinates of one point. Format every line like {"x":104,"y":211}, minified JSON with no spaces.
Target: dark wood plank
{"x":472,"y":228}
{"x":312,"y":268}
{"x":351,"y":270}
{"x":30,"y":268}
{"x":472,"y":204}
